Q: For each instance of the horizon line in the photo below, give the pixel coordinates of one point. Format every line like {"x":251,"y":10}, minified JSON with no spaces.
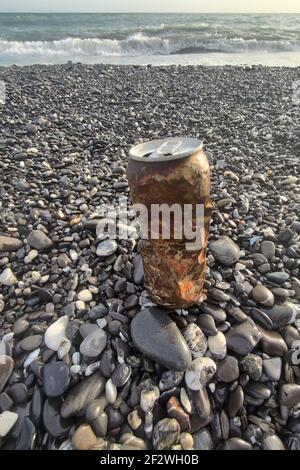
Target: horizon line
{"x":158,"y":12}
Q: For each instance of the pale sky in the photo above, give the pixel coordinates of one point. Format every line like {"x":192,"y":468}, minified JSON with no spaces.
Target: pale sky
{"x":204,"y":6}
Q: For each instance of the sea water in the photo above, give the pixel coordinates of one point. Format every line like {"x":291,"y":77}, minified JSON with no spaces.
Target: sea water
{"x":150,"y":38}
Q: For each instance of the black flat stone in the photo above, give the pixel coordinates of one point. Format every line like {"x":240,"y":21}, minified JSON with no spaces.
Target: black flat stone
{"x":39,"y":296}
{"x":22,"y":411}
{"x":56,"y":379}
{"x":18,"y":393}
{"x":115,"y":418}
{"x":6,"y":402}
{"x":157,"y":336}
{"x":57,"y":426}
{"x":108,"y":362}
{"x":27,"y":435}
{"x":36,"y":406}
{"x":30,"y":343}
{"x":82,"y":394}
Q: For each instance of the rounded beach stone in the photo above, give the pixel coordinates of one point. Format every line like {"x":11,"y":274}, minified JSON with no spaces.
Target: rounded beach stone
{"x":30,"y":343}
{"x":56,"y":378}
{"x":235,"y":401}
{"x":85,"y":295}
{"x":236,"y":443}
{"x":272,"y":442}
{"x":196,"y":340}
{"x":207,"y":324}
{"x":7,"y":277}
{"x":6,"y":368}
{"x":263,"y":296}
{"x":243,"y":337}
{"x":228,"y":369}
{"x":278,"y":277}
{"x":54,"y":423}
{"x":82,"y":394}
{"x":225,"y":250}
{"x":175,"y":411}
{"x":121,"y":375}
{"x":252,"y":365}
{"x":94,"y":343}
{"x":20,"y":327}
{"x":267,"y":248}
{"x":111,"y":391}
{"x":200,"y":372}
{"x":39,"y":240}
{"x":157,"y":336}
{"x":134,"y":419}
{"x":9,"y":244}
{"x":217,"y":345}
{"x":166,"y":433}
{"x":186,"y":441}
{"x":56,"y":333}
{"x":272,"y":368}
{"x":106,"y":248}
{"x":84,"y":438}
{"x":289,"y":395}
{"x":7,"y":421}
{"x":272,"y":343}
{"x":148,"y":397}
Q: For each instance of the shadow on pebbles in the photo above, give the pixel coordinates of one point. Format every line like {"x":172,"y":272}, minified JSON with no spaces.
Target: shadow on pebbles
{"x":87,"y":360}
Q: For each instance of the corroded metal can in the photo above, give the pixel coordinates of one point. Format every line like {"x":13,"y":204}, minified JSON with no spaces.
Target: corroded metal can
{"x":174,"y":173}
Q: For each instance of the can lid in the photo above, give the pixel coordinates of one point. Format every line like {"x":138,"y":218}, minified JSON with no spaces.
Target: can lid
{"x":164,"y":150}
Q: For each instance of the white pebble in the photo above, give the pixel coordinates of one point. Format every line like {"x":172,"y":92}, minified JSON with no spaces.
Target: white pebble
{"x":217,"y":345}
{"x":200,"y":372}
{"x":111,"y":392}
{"x":148,"y":398}
{"x":31,"y":357}
{"x":80,"y":305}
{"x":91,"y":368}
{"x":66,"y":445}
{"x":134,"y":420}
{"x":76,"y":369}
{"x":56,"y":333}
{"x":85,"y":295}
{"x":35,"y":276}
{"x":76,"y":358}
{"x":8,"y":337}
{"x":73,"y":255}
{"x":84,"y":267}
{"x":49,"y":307}
{"x":64,"y":348}
{"x":185,"y":401}
{"x":148,"y":424}
{"x":101,"y":322}
{"x":7,"y":420}
{"x":7,"y":277}
{"x":32,"y":150}
{"x":31,"y":256}
{"x":93,"y":289}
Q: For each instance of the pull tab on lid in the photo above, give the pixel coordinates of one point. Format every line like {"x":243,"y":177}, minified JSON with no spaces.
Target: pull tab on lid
{"x":165,"y":149}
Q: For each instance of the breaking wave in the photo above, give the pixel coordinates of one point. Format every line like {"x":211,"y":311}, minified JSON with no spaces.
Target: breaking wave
{"x":141,"y":44}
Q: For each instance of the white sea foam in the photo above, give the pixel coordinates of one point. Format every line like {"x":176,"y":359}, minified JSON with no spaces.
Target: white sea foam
{"x":140,"y":44}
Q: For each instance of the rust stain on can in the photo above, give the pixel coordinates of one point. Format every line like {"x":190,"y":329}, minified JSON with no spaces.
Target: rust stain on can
{"x":174,"y":275}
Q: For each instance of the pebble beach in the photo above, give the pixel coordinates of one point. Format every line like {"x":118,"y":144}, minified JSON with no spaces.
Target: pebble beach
{"x":79,"y":366}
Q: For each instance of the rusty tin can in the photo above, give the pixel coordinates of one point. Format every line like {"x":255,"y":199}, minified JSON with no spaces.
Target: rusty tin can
{"x":172,"y":171}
